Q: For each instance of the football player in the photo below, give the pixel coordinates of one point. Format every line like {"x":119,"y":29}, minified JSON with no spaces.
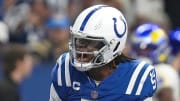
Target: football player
{"x":95,"y":69}
{"x":167,"y":83}
{"x":151,"y":45}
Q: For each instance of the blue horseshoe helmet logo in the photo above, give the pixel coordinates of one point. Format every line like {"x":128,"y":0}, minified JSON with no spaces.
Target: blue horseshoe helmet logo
{"x":120,"y":35}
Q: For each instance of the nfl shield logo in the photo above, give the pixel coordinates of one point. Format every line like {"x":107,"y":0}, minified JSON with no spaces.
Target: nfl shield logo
{"x":94,"y":94}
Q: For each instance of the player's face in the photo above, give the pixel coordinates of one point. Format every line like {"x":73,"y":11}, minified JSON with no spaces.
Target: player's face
{"x":86,"y":49}
{"x":145,"y":51}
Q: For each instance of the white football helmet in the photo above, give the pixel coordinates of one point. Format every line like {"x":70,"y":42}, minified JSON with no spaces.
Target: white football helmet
{"x":98,"y":36}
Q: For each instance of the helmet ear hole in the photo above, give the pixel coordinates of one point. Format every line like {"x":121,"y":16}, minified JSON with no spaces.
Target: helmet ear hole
{"x":98,"y":59}
{"x":117,"y":45}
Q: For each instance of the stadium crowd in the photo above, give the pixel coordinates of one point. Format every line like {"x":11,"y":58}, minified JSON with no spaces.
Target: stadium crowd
{"x":42,"y":27}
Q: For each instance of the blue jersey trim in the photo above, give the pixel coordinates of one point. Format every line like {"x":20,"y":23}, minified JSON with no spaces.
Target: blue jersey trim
{"x":63,"y":70}
{"x":60,"y":89}
{"x":54,"y":73}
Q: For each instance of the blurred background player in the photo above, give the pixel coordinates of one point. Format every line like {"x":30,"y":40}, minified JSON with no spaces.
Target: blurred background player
{"x":58,"y":35}
{"x":151,"y":11}
{"x":168,"y":83}
{"x":174,"y":37}
{"x":17,"y":65}
{"x":152,"y":45}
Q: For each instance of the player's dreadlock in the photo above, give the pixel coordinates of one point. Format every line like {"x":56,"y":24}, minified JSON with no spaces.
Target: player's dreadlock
{"x":119,"y":59}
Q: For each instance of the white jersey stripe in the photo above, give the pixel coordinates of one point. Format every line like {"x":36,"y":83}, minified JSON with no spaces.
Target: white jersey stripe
{"x":59,"y":71}
{"x":143,"y":79}
{"x":53,"y":95}
{"x":67,"y":73}
{"x":134,"y":77}
{"x":148,"y":99}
